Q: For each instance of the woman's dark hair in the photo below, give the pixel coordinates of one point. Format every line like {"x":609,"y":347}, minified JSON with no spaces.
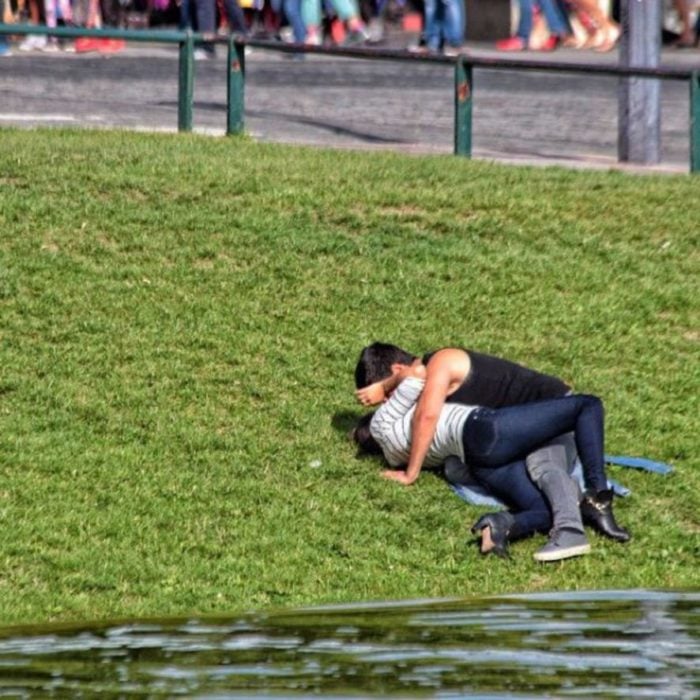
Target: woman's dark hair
{"x":363,"y":437}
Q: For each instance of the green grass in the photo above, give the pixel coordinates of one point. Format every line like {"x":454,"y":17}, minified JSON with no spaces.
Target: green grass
{"x":179,"y":321}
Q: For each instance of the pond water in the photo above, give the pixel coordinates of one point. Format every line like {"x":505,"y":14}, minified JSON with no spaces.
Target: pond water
{"x":639,"y":643}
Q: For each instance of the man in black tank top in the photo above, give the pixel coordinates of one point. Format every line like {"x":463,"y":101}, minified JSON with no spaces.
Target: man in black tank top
{"x":495,"y":382}
{"x":457,"y":375}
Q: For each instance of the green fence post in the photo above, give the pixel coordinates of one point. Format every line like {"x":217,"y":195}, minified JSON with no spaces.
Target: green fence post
{"x":695,"y":122}
{"x":235,"y":94}
{"x":186,"y":84}
{"x":463,"y":108}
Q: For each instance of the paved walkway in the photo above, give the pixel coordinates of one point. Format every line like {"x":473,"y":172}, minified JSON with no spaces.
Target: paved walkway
{"x":339,"y":102}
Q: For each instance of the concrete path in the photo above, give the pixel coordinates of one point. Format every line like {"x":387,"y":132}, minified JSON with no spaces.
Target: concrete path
{"x":337,"y":102}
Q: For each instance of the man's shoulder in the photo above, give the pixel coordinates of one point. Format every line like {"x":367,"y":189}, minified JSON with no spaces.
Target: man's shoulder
{"x":452,"y":361}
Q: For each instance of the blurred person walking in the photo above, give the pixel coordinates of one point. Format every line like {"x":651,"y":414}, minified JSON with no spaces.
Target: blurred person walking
{"x":5,"y":49}
{"x":348,"y":13}
{"x":292,"y":11}
{"x":686,"y":39}
{"x":557,"y":23}
{"x":203,"y":17}
{"x":31,"y":42}
{"x":445,"y":24}
{"x":52,"y":10}
{"x":603,"y":32}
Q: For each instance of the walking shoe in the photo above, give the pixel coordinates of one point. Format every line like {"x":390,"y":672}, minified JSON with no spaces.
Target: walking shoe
{"x":33,"y":42}
{"x":603,"y":39}
{"x":313,"y":37}
{"x":563,"y":544}
{"x":51,"y":46}
{"x":549,"y":44}
{"x":5,"y":50}
{"x":337,"y":32}
{"x":495,"y":538}
{"x":596,"y":510}
{"x":201,"y":54}
{"x":420,"y":49}
{"x":375,"y":30}
{"x":512,"y":43}
{"x":85,"y":44}
{"x":110,"y":45}
{"x":454,"y":50}
{"x":356,"y":37}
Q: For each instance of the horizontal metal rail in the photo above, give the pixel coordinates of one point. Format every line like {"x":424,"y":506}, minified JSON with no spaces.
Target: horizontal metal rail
{"x":143,"y":35}
{"x":463,"y":72}
{"x":496,"y":63}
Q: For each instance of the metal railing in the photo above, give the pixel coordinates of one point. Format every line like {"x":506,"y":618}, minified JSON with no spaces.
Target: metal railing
{"x":463,"y":73}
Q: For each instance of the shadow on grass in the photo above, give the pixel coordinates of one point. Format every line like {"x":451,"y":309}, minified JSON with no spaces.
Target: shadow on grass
{"x":344,"y":423}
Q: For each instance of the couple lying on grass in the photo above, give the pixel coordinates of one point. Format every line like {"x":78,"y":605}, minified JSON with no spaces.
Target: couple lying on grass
{"x":518,"y":431}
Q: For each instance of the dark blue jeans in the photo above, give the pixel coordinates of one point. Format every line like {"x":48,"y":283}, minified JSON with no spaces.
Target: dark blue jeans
{"x":513,"y":486}
{"x":496,"y":437}
{"x":205,"y":11}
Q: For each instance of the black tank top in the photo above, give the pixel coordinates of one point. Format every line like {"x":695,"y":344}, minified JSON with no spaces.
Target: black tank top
{"x":495,"y":382}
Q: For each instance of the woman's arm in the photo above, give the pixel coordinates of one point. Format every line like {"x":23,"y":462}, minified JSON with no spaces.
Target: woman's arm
{"x":391,"y":425}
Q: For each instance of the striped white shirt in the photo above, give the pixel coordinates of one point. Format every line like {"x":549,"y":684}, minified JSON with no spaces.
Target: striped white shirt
{"x":391,"y":426}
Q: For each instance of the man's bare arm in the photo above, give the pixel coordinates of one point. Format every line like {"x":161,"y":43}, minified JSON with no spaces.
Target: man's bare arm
{"x":426,"y":417}
{"x":446,"y":369}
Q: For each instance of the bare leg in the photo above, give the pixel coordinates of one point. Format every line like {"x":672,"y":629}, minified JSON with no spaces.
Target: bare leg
{"x":606,"y":31}
{"x":486,"y":542}
{"x":683,"y":10}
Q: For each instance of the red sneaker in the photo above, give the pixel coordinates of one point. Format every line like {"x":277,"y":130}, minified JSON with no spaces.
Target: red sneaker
{"x":84,"y":44}
{"x":110,"y":45}
{"x":549,"y":44}
{"x":512,"y":43}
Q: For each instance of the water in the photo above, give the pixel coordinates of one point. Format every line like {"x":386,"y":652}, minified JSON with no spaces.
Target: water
{"x":617,"y":644}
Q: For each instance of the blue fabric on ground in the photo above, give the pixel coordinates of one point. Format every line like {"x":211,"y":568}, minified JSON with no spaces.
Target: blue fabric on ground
{"x":474,"y":493}
{"x":639,"y":463}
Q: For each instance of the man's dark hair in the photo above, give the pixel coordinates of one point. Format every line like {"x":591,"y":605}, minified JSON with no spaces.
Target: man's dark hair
{"x":375,"y":363}
{"x":363,"y":438}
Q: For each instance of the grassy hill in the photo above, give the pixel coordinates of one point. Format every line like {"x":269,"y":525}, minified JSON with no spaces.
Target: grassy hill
{"x":179,"y":321}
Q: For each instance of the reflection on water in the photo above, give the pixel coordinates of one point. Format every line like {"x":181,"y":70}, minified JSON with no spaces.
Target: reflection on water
{"x":642,"y":644}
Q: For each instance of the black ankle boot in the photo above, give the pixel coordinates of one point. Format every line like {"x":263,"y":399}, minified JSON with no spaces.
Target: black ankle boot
{"x":596,"y":510}
{"x":500,"y":524}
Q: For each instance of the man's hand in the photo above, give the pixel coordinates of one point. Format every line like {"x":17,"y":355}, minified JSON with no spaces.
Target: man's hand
{"x":397,"y":475}
{"x":371,"y":395}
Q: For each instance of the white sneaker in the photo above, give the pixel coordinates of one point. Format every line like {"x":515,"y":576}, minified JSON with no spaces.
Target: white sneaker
{"x":375,"y":30}
{"x":33,"y":42}
{"x":202,"y":55}
{"x":50,"y":46}
{"x":454,"y":51}
{"x":29,"y":43}
{"x":287,"y":35}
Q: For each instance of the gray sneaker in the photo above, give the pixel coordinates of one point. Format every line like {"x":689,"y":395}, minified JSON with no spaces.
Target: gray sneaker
{"x":563,"y":544}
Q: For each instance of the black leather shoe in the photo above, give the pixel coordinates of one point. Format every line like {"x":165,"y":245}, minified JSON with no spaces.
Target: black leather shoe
{"x":499,"y":525}
{"x":596,"y":510}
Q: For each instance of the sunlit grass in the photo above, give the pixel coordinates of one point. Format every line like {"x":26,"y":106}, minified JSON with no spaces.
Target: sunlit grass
{"x":179,"y":321}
